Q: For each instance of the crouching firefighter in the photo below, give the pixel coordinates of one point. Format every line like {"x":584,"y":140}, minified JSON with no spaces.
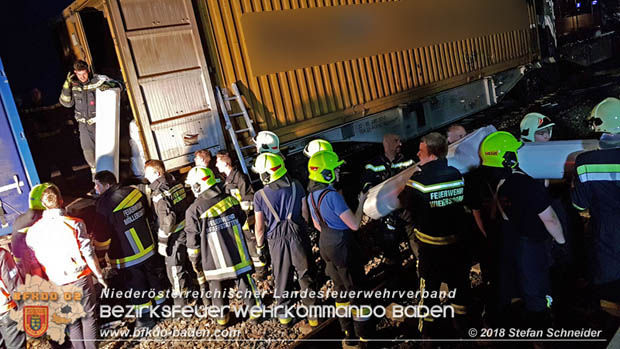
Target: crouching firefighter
{"x":122,"y":231}
{"x":169,"y":203}
{"x":237,"y":185}
{"x":336,"y":223}
{"x":278,"y":206}
{"x":434,"y":195}
{"x":215,"y":241}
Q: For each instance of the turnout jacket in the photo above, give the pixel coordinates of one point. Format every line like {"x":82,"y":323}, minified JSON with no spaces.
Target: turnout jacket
{"x":170,"y":202}
{"x":213,"y":228}
{"x":10,"y":280}
{"x":82,"y":96}
{"x":23,"y":255}
{"x":237,"y":184}
{"x":597,"y":187}
{"x":121,"y":227}
{"x":381,"y":168}
{"x":434,"y":195}
{"x":61,"y":244}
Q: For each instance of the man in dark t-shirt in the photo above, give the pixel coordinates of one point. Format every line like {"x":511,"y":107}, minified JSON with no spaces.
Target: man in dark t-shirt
{"x":527,"y":222}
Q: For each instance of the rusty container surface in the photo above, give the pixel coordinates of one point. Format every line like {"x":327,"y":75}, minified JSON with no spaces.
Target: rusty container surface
{"x":308,"y":65}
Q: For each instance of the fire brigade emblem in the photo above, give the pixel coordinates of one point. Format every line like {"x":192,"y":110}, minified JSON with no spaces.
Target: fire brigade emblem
{"x":35,"y":320}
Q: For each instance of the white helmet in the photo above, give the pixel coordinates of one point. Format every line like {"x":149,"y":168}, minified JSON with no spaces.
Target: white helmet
{"x":532,"y":123}
{"x":267,"y":141}
{"x":316,"y":145}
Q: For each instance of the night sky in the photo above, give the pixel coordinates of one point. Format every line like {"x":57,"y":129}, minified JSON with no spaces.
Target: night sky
{"x":29,"y":50}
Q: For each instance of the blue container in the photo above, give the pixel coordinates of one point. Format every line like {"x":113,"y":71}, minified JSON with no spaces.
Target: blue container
{"x":17,"y":171}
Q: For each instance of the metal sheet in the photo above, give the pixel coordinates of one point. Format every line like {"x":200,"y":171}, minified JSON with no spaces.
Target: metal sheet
{"x":16,"y":164}
{"x":307,"y":94}
{"x":164,"y":65}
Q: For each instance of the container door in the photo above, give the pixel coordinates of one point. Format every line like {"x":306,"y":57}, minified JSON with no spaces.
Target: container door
{"x":163,"y":61}
{"x":16,"y":164}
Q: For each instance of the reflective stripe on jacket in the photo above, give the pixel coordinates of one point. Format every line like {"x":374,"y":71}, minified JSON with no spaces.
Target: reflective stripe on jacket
{"x":10,"y":280}
{"x":60,"y":243}
{"x":213,"y":228}
{"x":121,"y":227}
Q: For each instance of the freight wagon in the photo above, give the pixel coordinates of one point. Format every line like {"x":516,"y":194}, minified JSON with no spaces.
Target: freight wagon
{"x":344,"y":70}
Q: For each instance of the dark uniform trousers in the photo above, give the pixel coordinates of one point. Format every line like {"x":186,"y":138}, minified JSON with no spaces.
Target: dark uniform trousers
{"x":443,"y":263}
{"x":83,"y":332}
{"x":344,"y":267}
{"x":176,"y":267}
{"x":141,"y":278}
{"x":525,"y":274}
{"x":10,"y":336}
{"x":87,"y":141}
{"x":245,"y":284}
{"x":290,"y":251}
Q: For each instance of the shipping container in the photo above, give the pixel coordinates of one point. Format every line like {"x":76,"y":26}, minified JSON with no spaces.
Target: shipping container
{"x":303,"y":66}
{"x":19,"y":174}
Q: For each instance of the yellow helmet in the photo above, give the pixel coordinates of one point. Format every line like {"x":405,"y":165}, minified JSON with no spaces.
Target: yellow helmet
{"x":270,"y":167}
{"x":605,"y":117}
{"x":317,"y":145}
{"x":200,"y":179}
{"x":267,"y":142}
{"x":532,"y":123}
{"x":499,"y":149}
{"x":34,"y":199}
{"x":321,"y":166}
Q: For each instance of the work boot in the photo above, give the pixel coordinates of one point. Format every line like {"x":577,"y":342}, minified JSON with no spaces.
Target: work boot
{"x":285,"y":322}
{"x":222,"y":323}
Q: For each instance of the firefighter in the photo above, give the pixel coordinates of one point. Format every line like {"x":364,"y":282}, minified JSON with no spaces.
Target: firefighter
{"x":169,"y":203}
{"x":528,"y":222}
{"x":380,"y":168}
{"x":63,"y":247}
{"x":267,"y":141}
{"x":336,"y":223}
{"x":316,"y":145}
{"x":203,"y":158}
{"x":278,"y":210}
{"x":215,"y":242}
{"x":122,"y":232}
{"x":24,"y":259}
{"x":237,"y":184}
{"x":78,"y":91}
{"x":434,"y":195}
{"x":455,"y":132}
{"x":10,"y":279}
{"x":597,"y":189}
{"x":536,"y":127}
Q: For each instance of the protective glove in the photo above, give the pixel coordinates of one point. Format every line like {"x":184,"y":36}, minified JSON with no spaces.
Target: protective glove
{"x":162,"y":249}
{"x":68,"y":80}
{"x":102,"y":282}
{"x":263,"y":253}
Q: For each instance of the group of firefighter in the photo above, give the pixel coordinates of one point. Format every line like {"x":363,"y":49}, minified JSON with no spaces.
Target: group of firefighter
{"x":228,"y":235}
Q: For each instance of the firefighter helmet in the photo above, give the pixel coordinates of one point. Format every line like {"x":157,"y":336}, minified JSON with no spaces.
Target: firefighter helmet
{"x":267,"y":142}
{"x":200,"y":179}
{"x":532,"y":123}
{"x":499,"y":149}
{"x":317,"y":145}
{"x":34,"y":199}
{"x":321,"y":166}
{"x":270,"y":167}
{"x":605,"y":117}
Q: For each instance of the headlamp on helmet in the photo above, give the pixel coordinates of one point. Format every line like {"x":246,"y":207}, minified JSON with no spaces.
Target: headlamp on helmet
{"x":499,"y":149}
{"x":322,"y":165}
{"x":605,"y":117}
{"x":200,"y":179}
